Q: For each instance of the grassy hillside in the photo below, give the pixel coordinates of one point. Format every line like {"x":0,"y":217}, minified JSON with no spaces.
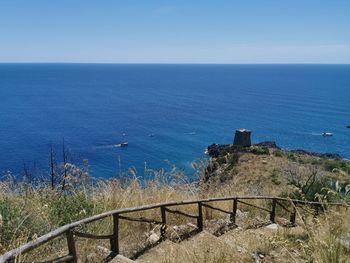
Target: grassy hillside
{"x":29,"y":210}
{"x":260,"y":170}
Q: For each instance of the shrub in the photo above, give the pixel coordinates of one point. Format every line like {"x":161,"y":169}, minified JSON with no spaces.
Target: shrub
{"x":232,"y":160}
{"x":260,"y":150}
{"x":9,"y":213}
{"x":312,"y":192}
{"x":69,"y":208}
{"x":221,"y":160}
{"x":278,"y":153}
{"x":331,"y":164}
{"x":18,"y":223}
{"x":291,"y":156}
{"x":275,"y":176}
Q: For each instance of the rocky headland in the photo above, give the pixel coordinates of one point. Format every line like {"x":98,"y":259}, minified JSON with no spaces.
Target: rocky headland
{"x":266,"y":168}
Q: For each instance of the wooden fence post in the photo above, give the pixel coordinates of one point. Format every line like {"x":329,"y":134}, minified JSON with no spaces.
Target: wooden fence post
{"x":200,"y":217}
{"x":293,"y":216}
{"x":163,"y":227}
{"x":71,"y":246}
{"x":273,"y":211}
{"x":115,"y":240}
{"x":234,"y":211}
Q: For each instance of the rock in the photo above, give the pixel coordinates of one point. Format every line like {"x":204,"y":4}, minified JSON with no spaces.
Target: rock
{"x":153,"y":238}
{"x":268,"y":144}
{"x":273,"y":227}
{"x":99,"y":252}
{"x":215,"y":150}
{"x":242,"y":138}
{"x":239,"y":213}
{"x":121,"y":259}
{"x":223,"y":221}
{"x":191,"y":225}
{"x":258,"y":257}
{"x":103,"y":249}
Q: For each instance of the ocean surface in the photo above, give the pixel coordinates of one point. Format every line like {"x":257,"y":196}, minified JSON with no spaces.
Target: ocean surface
{"x":167,"y":113}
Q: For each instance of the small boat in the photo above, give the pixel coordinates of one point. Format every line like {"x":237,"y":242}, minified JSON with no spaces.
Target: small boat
{"x":206,"y":152}
{"x":123,"y":144}
{"x":325,"y":134}
{"x":348,"y":126}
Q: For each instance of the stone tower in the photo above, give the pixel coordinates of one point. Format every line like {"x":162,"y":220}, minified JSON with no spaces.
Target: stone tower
{"x":242,"y":138}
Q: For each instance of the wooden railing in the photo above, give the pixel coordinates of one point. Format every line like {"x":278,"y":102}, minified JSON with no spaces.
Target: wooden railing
{"x":70,"y":231}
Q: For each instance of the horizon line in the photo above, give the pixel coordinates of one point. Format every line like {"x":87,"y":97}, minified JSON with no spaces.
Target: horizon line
{"x":168,"y":63}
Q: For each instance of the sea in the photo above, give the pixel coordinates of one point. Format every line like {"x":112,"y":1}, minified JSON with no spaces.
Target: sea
{"x":167,"y":113}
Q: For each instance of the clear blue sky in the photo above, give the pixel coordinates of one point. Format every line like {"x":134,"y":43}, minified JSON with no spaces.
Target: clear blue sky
{"x":177,"y":31}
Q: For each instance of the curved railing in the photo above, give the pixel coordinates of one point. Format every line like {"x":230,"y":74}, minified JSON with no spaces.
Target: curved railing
{"x":70,"y":231}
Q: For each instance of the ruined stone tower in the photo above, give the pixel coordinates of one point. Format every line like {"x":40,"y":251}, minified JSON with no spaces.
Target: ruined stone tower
{"x":242,"y":138}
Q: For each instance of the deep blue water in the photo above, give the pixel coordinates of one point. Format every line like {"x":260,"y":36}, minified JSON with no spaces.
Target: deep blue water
{"x":186,"y":107}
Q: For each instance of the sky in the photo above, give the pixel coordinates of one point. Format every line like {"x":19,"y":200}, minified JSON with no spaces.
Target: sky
{"x":176,"y":31}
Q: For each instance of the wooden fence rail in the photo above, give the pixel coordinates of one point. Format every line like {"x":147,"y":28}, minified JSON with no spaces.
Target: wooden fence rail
{"x":70,"y":231}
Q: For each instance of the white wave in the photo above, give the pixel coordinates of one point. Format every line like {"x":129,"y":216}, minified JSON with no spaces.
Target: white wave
{"x":104,"y":146}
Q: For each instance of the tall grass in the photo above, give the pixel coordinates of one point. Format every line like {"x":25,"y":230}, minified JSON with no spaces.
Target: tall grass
{"x":29,"y":210}
{"x":324,"y":239}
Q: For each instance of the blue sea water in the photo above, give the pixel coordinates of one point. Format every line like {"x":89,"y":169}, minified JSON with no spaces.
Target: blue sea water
{"x":184,"y":107}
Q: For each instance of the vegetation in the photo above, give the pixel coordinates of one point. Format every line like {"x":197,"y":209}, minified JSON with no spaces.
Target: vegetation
{"x":29,"y":209}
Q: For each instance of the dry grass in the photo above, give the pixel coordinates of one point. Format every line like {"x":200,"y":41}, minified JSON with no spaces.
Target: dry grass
{"x":27,"y":212}
{"x":321,"y":239}
{"x":315,"y":240}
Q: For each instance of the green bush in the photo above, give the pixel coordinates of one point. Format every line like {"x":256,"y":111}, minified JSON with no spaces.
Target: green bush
{"x":331,"y":164}
{"x":15,"y":221}
{"x":221,"y":160}
{"x":275,"y":176}
{"x":69,"y":208}
{"x":313,"y":192}
{"x":278,"y":153}
{"x":232,"y":160}
{"x":260,"y":150}
{"x":9,"y":212}
{"x":291,"y":157}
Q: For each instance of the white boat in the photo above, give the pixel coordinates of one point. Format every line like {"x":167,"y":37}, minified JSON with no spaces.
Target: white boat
{"x":325,"y":134}
{"x":123,"y":144}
